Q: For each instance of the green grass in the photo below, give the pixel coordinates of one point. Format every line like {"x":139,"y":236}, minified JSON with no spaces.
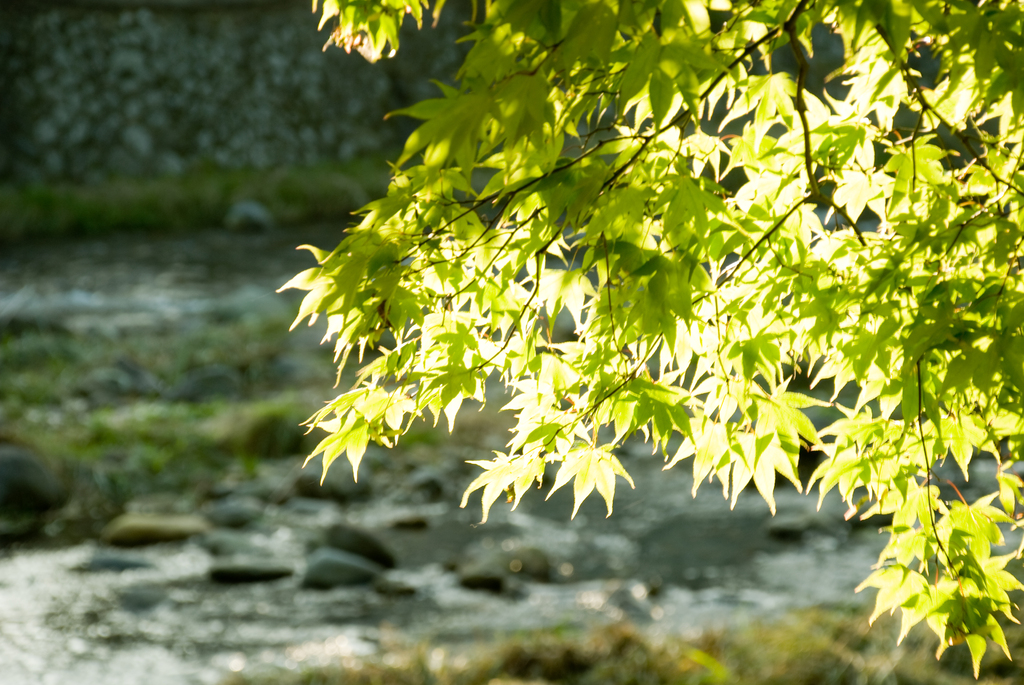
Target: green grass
{"x":109,"y":451}
{"x":199,"y":199}
{"x":813,"y":647}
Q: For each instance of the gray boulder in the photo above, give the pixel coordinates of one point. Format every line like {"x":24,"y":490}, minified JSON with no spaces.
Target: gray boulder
{"x":357,"y":541}
{"x":26,"y":485}
{"x":328,"y":568}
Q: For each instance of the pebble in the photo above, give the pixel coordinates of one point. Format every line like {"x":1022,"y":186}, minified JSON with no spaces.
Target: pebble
{"x":142,"y":597}
{"x":327,"y":568}
{"x":225,"y":543}
{"x":144,"y":529}
{"x":234,"y":512}
{"x":410,"y":522}
{"x":392,"y":587}
{"x":492,"y":569}
{"x":357,"y":541}
{"x":479,"y":575}
{"x":107,"y":561}
{"x":791,"y":526}
{"x":249,"y":570}
{"x":427,"y":483}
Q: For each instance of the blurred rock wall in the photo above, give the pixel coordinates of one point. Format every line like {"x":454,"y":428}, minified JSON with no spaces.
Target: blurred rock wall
{"x":94,"y":88}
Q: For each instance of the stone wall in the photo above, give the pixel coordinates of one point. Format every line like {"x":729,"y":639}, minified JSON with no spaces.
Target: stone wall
{"x":94,"y":88}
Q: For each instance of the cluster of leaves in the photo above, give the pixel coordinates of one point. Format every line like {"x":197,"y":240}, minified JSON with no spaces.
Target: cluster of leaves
{"x":715,"y":230}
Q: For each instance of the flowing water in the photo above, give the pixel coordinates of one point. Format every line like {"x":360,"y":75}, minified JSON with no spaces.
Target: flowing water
{"x":665,"y":561}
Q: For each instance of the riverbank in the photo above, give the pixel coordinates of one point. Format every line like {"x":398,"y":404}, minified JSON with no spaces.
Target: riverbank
{"x":201,"y":199}
{"x":807,"y":647}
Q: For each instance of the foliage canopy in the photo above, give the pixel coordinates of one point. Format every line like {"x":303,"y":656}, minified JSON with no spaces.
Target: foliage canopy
{"x":717,"y":229}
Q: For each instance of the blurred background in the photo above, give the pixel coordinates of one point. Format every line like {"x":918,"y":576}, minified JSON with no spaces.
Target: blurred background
{"x":160,"y":161}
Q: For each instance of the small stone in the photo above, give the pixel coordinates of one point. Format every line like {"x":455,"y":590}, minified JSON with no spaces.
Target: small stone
{"x":206,"y":383}
{"x":142,"y":597}
{"x":248,"y":570}
{"x":410,"y":522}
{"x":492,"y":569}
{"x":531,"y":562}
{"x":350,"y":539}
{"x":479,"y":577}
{"x":107,"y":561}
{"x":791,"y":526}
{"x":392,"y":587}
{"x":249,"y":215}
{"x":427,"y":483}
{"x":234,"y":512}
{"x":144,"y":529}
{"x":26,"y":485}
{"x":226,"y":543}
{"x":329,"y":568}
{"x":488,"y":571}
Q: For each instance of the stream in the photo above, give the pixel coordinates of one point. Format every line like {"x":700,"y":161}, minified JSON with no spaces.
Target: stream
{"x":79,"y":611}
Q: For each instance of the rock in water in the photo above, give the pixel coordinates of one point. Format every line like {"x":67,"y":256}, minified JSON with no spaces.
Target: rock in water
{"x":791,"y":526}
{"x":531,"y":562}
{"x":107,"y":561}
{"x":357,"y":541}
{"x":391,"y":587}
{"x":130,"y":530}
{"x":227,"y":543}
{"x":492,"y":569}
{"x":329,"y":568}
{"x":140,"y":598}
{"x":248,"y":570}
{"x":249,"y":215}
{"x":234,"y":512}
{"x":25,"y":484}
{"x":480,"y":575}
{"x":427,"y":483}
